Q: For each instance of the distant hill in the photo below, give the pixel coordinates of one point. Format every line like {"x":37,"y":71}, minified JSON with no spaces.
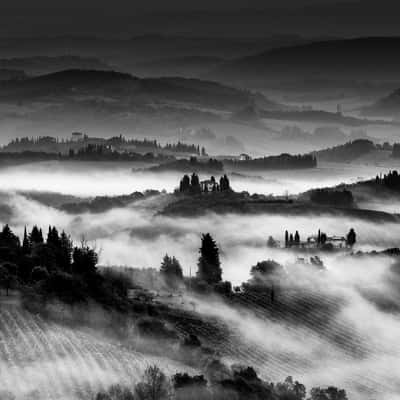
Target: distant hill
{"x":118,"y":90}
{"x":347,"y":152}
{"x":40,"y":65}
{"x":189,"y":66}
{"x":128,"y":52}
{"x":320,"y":63}
{"x":11,"y":74}
{"x":388,"y":106}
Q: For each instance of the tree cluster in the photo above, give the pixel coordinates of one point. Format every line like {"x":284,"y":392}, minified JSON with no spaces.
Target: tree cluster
{"x":51,"y":144}
{"x":292,"y":240}
{"x":171,"y":270}
{"x":220,"y":382}
{"x":54,"y":267}
{"x":337,"y":198}
{"x":391,"y":180}
{"x":282,"y":161}
{"x":192,"y":185}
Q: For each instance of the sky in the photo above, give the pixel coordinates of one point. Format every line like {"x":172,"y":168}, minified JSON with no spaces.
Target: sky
{"x":205,"y":18}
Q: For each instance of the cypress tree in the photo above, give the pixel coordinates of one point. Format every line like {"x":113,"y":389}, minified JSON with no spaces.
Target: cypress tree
{"x":26,"y":245}
{"x":209,"y":265}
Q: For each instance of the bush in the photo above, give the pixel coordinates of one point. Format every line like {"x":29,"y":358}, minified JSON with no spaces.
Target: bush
{"x":155,"y":328}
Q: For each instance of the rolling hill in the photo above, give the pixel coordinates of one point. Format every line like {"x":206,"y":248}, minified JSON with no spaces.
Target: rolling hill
{"x":323,"y":63}
{"x":118,"y":88}
{"x":388,"y":106}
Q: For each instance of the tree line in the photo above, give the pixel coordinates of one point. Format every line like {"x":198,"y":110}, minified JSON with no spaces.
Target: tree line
{"x":64,"y":145}
{"x":282,"y":161}
{"x":52,"y":266}
{"x":391,"y":180}
{"x":220,"y":382}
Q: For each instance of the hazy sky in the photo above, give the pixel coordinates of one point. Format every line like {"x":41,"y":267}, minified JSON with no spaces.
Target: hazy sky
{"x":207,"y":17}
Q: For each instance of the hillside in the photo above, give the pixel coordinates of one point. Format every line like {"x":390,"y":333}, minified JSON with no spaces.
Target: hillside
{"x":347,"y":152}
{"x":39,"y":65}
{"x":189,"y":66}
{"x":112,"y":87}
{"x":388,"y":106}
{"x":319,"y":63}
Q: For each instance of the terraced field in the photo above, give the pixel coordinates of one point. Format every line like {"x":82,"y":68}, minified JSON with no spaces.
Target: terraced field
{"x":45,"y":361}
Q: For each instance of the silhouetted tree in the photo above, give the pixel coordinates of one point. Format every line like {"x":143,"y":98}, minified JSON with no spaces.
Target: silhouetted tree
{"x":171,"y":270}
{"x":190,"y":387}
{"x":330,"y":393}
{"x":26,"y":245}
{"x":65,"y":252}
{"x":195,"y":183}
{"x":84,"y":260}
{"x":7,"y":279}
{"x":52,"y":237}
{"x":271,"y":242}
{"x":224,"y":183}
{"x":297,"y":237}
{"x":286,"y":238}
{"x":185,"y":184}
{"x":290,"y":390}
{"x":264,"y":271}
{"x":351,"y":238}
{"x":154,"y":385}
{"x":209,"y":264}
{"x":36,"y":236}
{"x":116,"y":392}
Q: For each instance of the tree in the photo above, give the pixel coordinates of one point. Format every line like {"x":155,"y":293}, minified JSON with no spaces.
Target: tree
{"x":290,"y":390}
{"x":351,"y":238}
{"x":286,"y":238}
{"x":171,"y":270}
{"x":5,"y":279}
{"x":116,"y":392}
{"x":271,"y":242}
{"x":330,"y":393}
{"x":297,"y":237}
{"x":84,"y":260}
{"x":8,"y":239}
{"x":209,"y":266}
{"x":65,"y":252}
{"x":154,"y":385}
{"x":26,"y":245}
{"x":224,"y":183}
{"x":190,"y":387}
{"x":36,"y":236}
{"x":195,"y":183}
{"x":52,"y":237}
{"x":185,"y":184}
{"x":265,"y":271}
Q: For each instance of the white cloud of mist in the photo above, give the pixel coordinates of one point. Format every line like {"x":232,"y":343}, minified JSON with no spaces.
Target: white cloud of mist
{"x":360,"y":353}
{"x":99,"y":179}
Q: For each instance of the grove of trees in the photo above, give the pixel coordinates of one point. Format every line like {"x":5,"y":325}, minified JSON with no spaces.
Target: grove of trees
{"x":220,"y":382}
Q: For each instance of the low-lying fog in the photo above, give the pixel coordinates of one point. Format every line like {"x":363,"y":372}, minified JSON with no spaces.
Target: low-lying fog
{"x":99,"y":179}
{"x":358,"y":350}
